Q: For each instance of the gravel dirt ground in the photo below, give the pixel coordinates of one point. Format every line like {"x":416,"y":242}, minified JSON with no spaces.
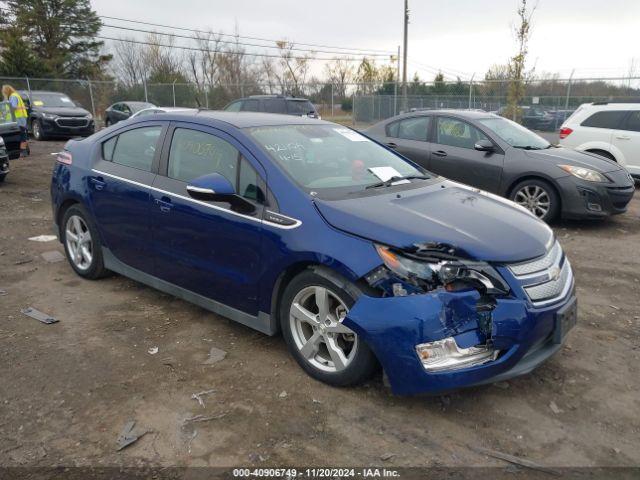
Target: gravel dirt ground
{"x":68,"y":389}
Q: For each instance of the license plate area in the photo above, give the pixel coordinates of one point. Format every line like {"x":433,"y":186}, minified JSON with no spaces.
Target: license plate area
{"x":565,"y":319}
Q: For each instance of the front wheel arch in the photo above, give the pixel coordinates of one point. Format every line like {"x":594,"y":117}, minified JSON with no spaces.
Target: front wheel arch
{"x":538,"y":178}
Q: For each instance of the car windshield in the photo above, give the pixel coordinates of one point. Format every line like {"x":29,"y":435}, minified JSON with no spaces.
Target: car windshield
{"x":300,"y":107}
{"x":515,"y":135}
{"x":52,"y":100}
{"x":330,"y":160}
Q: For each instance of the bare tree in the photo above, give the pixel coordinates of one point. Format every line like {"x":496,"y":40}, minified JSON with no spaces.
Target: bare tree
{"x":129,"y":62}
{"x":517,"y":63}
{"x":294,"y":69}
{"x":339,"y":73}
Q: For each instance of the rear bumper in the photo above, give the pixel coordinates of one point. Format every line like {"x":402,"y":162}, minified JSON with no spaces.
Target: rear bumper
{"x":393,"y":326}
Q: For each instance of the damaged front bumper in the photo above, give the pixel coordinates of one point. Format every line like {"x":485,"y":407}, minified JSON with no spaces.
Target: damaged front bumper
{"x":522,"y":336}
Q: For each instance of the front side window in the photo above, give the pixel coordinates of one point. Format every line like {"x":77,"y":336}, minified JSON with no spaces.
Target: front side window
{"x":250,"y":106}
{"x":605,"y":119}
{"x":194,"y":154}
{"x":234,"y":107}
{"x":456,"y":133}
{"x":514,"y":134}
{"x":134,"y":148}
{"x":328,"y":160}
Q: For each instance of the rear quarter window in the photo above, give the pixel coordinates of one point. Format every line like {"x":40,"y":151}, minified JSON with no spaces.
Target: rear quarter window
{"x":605,"y":119}
{"x":135,"y":148}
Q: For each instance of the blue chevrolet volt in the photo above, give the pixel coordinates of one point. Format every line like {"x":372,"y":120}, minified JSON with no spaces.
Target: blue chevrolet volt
{"x":360,"y":258}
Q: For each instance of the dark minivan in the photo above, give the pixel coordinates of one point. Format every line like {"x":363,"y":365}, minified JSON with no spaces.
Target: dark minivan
{"x":274,"y":104}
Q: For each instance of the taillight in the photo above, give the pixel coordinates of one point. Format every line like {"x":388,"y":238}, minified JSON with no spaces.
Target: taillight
{"x":64,"y":157}
{"x":565,"y":132}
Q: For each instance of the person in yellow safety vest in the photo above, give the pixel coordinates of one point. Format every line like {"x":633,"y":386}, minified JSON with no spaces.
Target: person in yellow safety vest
{"x":18,"y":111}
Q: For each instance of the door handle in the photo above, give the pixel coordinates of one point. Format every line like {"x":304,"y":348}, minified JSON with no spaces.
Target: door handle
{"x":623,"y":137}
{"x":164,"y":203}
{"x":440,"y":153}
{"x":97,"y":183}
{"x":392,"y":145}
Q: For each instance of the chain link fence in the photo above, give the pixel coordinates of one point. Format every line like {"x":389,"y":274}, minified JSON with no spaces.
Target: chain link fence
{"x":545,"y":105}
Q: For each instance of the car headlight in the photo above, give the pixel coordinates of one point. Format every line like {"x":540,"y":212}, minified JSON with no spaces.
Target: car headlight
{"x":89,"y":116}
{"x":584,"y":173}
{"x":49,"y":116}
{"x":452,"y":274}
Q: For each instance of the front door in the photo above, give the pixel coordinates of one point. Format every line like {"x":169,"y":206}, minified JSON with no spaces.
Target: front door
{"x":453,"y":155}
{"x":119,"y":190}
{"x":206,"y":247}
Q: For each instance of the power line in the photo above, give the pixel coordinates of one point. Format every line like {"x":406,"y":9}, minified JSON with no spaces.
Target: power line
{"x":196,"y":49}
{"x":208,"y":40}
{"x":387,"y":52}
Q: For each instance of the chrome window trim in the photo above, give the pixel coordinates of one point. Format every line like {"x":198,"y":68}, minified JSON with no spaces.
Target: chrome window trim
{"x":205,"y":204}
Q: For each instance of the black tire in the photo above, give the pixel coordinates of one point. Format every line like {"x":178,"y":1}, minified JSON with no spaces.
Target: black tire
{"x":36,"y":129}
{"x":363,"y":364}
{"x":95,"y":269}
{"x":107,"y":123}
{"x":603,"y":153}
{"x":554,"y":200}
{"x":2,"y":177}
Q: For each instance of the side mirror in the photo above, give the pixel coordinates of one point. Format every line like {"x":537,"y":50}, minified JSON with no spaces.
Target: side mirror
{"x":217,"y":188}
{"x":484,"y":146}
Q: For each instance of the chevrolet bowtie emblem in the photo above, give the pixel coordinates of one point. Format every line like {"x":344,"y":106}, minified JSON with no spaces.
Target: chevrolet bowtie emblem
{"x":554,"y":273}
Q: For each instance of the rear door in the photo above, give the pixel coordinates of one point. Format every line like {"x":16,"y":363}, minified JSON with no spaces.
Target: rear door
{"x":453,"y":155}
{"x":207,"y":247}
{"x":627,"y":140}
{"x":408,"y":137}
{"x":124,"y":168}
{"x":597,"y":127}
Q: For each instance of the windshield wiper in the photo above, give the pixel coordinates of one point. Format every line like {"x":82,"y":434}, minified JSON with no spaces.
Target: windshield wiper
{"x":392,"y":180}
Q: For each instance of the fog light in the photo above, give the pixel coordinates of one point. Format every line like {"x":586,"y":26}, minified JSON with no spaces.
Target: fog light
{"x":594,"y":206}
{"x":446,"y":355}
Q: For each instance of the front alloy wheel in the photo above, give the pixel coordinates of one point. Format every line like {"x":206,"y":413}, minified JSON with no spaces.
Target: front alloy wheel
{"x":316,"y":316}
{"x":312,"y":310}
{"x":37,"y":130}
{"x":538,"y":197}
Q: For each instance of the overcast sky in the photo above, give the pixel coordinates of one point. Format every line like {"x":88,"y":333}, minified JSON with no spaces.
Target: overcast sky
{"x":596,"y":37}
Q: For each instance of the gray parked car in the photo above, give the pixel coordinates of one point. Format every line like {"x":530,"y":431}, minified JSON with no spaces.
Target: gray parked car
{"x":495,"y":154}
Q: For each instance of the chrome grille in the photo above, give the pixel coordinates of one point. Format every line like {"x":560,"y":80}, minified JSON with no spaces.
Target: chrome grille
{"x":547,"y":279}
{"x":72,"y":121}
{"x":539,"y":265}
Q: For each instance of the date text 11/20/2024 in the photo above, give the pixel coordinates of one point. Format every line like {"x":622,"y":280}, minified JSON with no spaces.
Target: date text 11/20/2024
{"x":315,"y":473}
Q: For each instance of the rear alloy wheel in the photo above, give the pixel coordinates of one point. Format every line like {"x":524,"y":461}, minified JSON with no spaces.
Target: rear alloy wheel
{"x":312,"y":312}
{"x":538,"y":197}
{"x":36,"y":127}
{"x":81,"y":244}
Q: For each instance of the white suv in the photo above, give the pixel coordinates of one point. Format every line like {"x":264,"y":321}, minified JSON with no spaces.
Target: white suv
{"x":608,"y":129}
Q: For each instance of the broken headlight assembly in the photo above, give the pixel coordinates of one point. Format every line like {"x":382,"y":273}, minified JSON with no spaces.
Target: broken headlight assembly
{"x":407,"y":273}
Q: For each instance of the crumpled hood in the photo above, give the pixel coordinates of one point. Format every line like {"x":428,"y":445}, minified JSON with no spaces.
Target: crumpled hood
{"x":482,"y":225}
{"x":567,"y":156}
{"x":64,"y":111}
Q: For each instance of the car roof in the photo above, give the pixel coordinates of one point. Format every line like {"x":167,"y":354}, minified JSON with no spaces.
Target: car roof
{"x":254,"y":119}
{"x":468,"y":114}
{"x":42,"y":91}
{"x":610,"y":106}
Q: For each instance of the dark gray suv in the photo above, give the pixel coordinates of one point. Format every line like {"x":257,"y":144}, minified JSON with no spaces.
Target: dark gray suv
{"x":495,"y":154}
{"x":300,"y":107}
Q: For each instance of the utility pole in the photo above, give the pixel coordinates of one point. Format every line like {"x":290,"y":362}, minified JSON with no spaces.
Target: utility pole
{"x":404,"y":55}
{"x":566,"y":103}
{"x":395,"y":88}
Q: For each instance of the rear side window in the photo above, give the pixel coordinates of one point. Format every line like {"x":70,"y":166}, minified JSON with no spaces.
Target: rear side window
{"x":274,"y":105}
{"x":414,"y":128}
{"x":604,"y":119}
{"x":633,"y":122}
{"x":195,"y":153}
{"x":134,"y":148}
{"x":250,"y":106}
